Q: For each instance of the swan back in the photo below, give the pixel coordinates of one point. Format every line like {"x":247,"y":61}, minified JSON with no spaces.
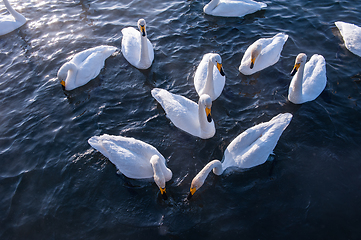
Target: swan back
{"x":351,"y":35}
{"x":184,"y":113}
{"x":130,"y":156}
{"x":253,"y":146}
{"x":270,"y":52}
{"x":230,"y":8}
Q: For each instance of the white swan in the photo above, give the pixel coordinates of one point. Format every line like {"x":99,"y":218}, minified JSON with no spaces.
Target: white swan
{"x":249,"y":149}
{"x":187,"y":115}
{"x":84,"y":66}
{"x":136,"y":47}
{"x":310,"y":78}
{"x":207,"y":79}
{"x":262,"y":53}
{"x":232,"y":8}
{"x":351,"y":35}
{"x":134,"y":158}
{"x":10,"y":23}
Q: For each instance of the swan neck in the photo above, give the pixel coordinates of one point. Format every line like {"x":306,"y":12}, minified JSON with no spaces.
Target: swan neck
{"x":12,"y":11}
{"x":144,"y":53}
{"x":298,"y":80}
{"x":214,"y":165}
{"x":158,"y":175}
{"x":209,"y":85}
{"x":211,"y":5}
{"x":68,"y":72}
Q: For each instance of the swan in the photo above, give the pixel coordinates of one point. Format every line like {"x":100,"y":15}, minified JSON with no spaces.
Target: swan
{"x":232,"y":8}
{"x":249,"y":149}
{"x":185,"y":114}
{"x":207,"y":79}
{"x":136,"y":47}
{"x":309,"y":79}
{"x":84,"y":66}
{"x":134,"y":158}
{"x":262,"y":53}
{"x":351,"y":35}
{"x":10,"y":23}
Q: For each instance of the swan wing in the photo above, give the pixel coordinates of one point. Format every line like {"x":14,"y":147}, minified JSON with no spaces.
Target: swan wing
{"x":270,"y":54}
{"x":314,"y":78}
{"x":351,"y":35}
{"x":9,"y":24}
{"x":129,"y":155}
{"x":181,"y":111}
{"x":235,"y":8}
{"x":253,"y":146}
{"x":131,"y":45}
{"x":200,"y":78}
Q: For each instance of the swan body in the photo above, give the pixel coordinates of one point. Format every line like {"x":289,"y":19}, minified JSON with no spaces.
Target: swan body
{"x":187,"y":115}
{"x":351,"y":35}
{"x":134,"y":158}
{"x":209,"y":77}
{"x":309,"y":79}
{"x":84,"y":66}
{"x":249,"y":149}
{"x":262,"y":53}
{"x":232,"y":8}
{"x":10,"y":23}
{"x":136,"y":47}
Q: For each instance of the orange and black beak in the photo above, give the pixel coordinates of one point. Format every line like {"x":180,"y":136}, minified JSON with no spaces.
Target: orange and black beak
{"x":191,"y":192}
{"x":208,"y":113}
{"x":252,"y":62}
{"x":295,"y":68}
{"x":142,"y":29}
{"x":220,"y":69}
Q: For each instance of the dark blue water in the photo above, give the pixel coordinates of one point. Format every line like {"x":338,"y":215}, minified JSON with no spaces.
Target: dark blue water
{"x":53,"y":185}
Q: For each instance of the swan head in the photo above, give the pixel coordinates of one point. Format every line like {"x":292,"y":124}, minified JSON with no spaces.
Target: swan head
{"x":141,"y":26}
{"x":206,"y":101}
{"x":256,"y":50}
{"x":300,"y":60}
{"x":197,"y":182}
{"x":158,"y":175}
{"x":217,"y":61}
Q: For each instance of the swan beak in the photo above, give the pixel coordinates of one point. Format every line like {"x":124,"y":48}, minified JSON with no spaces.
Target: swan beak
{"x":142,"y":29}
{"x":252,"y":62}
{"x":220,"y":69}
{"x":191,"y":192}
{"x":164,"y":193}
{"x":62,"y":83}
{"x":208,"y":113}
{"x":295,"y":68}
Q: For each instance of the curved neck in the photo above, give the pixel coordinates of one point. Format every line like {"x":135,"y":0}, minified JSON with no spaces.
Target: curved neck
{"x":297,"y":82}
{"x":209,"y":85}
{"x":202,"y":116}
{"x":211,"y":5}
{"x":144,"y":53}
{"x":216,"y":165}
{"x":15,"y":14}
{"x":68,"y":72}
{"x":158,"y":175}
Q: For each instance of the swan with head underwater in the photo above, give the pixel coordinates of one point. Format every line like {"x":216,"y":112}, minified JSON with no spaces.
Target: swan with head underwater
{"x":232,"y":8}
{"x":10,"y":23}
{"x":262,"y":53}
{"x":309,"y":79}
{"x":134,"y":158}
{"x":136,"y":47}
{"x":351,"y":35}
{"x":84,"y":66}
{"x":209,"y":77}
{"x":187,"y":115}
{"x":249,"y":149}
